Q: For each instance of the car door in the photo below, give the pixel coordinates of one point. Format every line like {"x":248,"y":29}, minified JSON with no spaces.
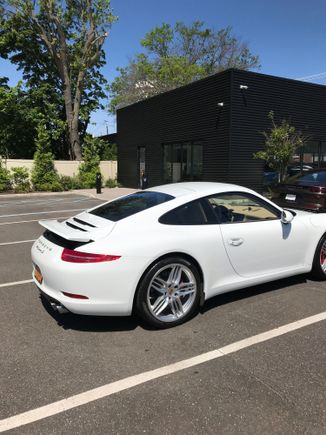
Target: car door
{"x":256,"y":241}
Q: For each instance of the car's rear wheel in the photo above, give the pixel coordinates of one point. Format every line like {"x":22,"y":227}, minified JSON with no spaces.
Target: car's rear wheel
{"x":169,"y":292}
{"x":319,"y":264}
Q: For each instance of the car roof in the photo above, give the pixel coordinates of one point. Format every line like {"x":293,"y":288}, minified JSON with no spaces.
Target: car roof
{"x":196,"y":188}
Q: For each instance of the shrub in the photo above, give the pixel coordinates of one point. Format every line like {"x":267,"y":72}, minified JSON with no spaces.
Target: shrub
{"x":20,"y":179}
{"x":5,"y":179}
{"x":69,"y":183}
{"x":66,"y":182}
{"x":44,"y":175}
{"x":91,"y":163}
{"x":281,"y":142}
{"x":111,"y":183}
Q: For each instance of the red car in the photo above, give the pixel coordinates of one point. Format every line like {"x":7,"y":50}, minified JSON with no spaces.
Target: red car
{"x":304,"y":191}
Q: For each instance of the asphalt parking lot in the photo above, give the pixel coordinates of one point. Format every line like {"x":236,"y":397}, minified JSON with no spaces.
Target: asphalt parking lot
{"x":68,"y":374}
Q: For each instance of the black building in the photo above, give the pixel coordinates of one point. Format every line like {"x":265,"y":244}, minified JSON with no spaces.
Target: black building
{"x":110,"y":138}
{"x":209,"y":129}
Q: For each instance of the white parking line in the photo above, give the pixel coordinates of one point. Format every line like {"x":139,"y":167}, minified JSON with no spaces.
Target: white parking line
{"x":17,"y":243}
{"x":46,"y":201}
{"x":9,"y":284}
{"x":29,"y":202}
{"x":41,"y":212}
{"x":32,"y":220}
{"x":132,"y":381}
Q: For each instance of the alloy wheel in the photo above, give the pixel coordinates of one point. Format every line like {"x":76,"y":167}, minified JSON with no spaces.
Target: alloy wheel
{"x":322,"y":257}
{"x":172,"y":292}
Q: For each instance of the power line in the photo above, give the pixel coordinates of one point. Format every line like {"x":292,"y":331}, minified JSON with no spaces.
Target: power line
{"x":312,"y":77}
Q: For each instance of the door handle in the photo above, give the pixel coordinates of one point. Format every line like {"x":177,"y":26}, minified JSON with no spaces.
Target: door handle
{"x":236,"y":242}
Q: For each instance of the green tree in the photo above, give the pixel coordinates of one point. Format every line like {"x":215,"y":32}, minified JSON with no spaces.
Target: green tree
{"x":44,"y":175}
{"x":59,"y":44}
{"x":90,"y":165}
{"x":176,"y":56}
{"x":281,"y":143}
{"x":109,"y":152}
{"x":5,"y":179}
{"x":18,"y":121}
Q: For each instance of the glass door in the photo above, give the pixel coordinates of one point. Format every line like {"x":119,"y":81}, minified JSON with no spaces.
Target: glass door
{"x":182,"y":162}
{"x":141,"y":164}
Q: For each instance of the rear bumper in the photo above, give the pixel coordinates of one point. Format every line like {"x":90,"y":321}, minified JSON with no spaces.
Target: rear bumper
{"x":302,"y":201}
{"x":85,"y":307}
{"x":109,"y":286}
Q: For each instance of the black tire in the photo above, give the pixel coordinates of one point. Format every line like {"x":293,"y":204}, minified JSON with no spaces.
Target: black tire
{"x":318,"y":270}
{"x":173,"y":296}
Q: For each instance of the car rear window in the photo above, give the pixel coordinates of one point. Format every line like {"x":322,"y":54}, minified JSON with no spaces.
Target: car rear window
{"x":131,"y":204}
{"x":314,"y":176}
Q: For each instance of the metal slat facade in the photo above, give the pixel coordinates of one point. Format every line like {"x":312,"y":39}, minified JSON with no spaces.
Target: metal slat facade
{"x":302,"y":104}
{"x":229,"y":134}
{"x":189,"y":113}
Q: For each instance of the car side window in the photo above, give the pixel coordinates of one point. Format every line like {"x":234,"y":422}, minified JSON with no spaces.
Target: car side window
{"x":241,"y":207}
{"x":191,"y":213}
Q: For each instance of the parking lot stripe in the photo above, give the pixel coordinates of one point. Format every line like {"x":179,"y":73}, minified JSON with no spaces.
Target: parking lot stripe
{"x":17,"y":243}
{"x":41,"y":212}
{"x":9,"y":284}
{"x":32,"y":220}
{"x":132,"y":381}
{"x":47,"y":201}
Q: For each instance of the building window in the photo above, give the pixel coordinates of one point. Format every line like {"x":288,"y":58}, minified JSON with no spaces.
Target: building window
{"x":311,"y":154}
{"x":182,"y":162}
{"x":323,"y":154}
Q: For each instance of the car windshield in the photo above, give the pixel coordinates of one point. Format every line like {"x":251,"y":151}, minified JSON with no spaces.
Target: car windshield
{"x":313,"y":176}
{"x":131,"y":204}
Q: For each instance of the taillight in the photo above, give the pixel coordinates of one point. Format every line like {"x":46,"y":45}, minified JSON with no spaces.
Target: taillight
{"x":317,"y":189}
{"x":86,"y":257}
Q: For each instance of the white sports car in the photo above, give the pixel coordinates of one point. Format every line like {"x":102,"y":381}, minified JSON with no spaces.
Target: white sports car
{"x":161,"y":252}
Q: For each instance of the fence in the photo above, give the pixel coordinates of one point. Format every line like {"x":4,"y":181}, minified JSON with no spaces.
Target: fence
{"x":67,"y":167}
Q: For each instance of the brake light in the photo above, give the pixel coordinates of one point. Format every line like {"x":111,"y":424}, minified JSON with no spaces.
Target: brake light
{"x":86,"y":257}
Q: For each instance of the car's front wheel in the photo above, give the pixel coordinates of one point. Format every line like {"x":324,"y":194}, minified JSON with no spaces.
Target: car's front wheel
{"x":319,"y":263}
{"x":169,"y":292}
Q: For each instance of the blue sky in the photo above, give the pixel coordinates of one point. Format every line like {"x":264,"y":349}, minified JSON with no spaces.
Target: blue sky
{"x":288,"y":35}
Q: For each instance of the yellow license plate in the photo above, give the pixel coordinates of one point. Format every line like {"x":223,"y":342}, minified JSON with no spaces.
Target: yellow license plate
{"x":38,"y":274}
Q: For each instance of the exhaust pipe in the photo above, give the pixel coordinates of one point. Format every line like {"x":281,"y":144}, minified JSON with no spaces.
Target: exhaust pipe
{"x":59,"y":308}
{"x":62,"y":310}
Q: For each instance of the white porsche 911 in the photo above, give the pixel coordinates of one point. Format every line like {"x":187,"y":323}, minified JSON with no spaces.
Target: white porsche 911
{"x":161,"y":252}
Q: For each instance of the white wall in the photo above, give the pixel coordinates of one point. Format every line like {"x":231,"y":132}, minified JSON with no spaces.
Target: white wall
{"x":67,"y":167}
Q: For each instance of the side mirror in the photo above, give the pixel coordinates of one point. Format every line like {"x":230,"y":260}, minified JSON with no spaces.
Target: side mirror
{"x":287,"y":217}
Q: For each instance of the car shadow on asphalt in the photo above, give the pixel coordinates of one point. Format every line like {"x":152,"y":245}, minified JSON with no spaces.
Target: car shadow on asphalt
{"x":114,"y":324}
{"x":91,"y":323}
{"x":249,"y":292}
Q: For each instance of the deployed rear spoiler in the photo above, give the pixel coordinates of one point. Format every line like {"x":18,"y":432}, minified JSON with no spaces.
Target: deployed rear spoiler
{"x":64,"y":231}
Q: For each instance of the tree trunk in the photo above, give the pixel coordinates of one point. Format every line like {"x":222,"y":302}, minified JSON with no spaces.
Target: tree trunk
{"x":72,"y":110}
{"x":55,"y":40}
{"x":74,"y":139}
{"x":72,"y":122}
